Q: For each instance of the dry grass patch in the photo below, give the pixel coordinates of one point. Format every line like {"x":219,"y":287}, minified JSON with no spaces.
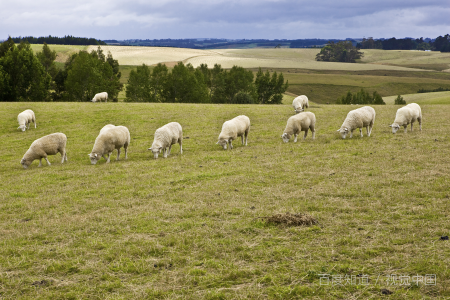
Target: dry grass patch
{"x":288,"y":219}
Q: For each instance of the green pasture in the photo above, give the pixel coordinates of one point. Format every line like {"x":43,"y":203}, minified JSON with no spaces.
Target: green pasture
{"x":421,"y":99}
{"x":191,"y":226}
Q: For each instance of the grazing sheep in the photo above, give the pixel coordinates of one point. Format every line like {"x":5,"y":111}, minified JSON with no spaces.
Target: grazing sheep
{"x":106,"y":127}
{"x":300,"y":103}
{"x":25,"y":118}
{"x":108,"y":140}
{"x":358,"y":118}
{"x":100,"y":97}
{"x":405,"y":115}
{"x":47,"y":145}
{"x":232,"y":129}
{"x":297,"y":123}
{"x":165,"y":137}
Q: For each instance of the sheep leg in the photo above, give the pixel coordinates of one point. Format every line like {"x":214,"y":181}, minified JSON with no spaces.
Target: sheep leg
{"x":180,"y":141}
{"x":40,"y":162}
{"x":242,"y":139}
{"x":406,"y":128}
{"x":46,"y":159}
{"x":104,"y":156}
{"x":231,"y":145}
{"x":126,"y":152}
{"x":63,"y":155}
{"x":306,"y":133}
{"x":109,"y":156}
{"x":351,"y":133}
{"x":313,"y":133}
{"x":170,"y":148}
{"x":295,"y":138}
{"x":165,"y":153}
{"x":420,"y":123}
{"x":118,"y":154}
{"x":411,"y":126}
{"x":360,"y":132}
{"x":246,"y":137}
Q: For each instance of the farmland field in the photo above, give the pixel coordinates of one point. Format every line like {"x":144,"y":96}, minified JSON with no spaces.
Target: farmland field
{"x":192,"y":226}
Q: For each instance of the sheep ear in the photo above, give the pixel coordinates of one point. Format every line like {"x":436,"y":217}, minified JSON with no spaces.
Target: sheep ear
{"x":338,"y":130}
{"x":95,"y":154}
{"x":149,"y":149}
{"x":390,"y":125}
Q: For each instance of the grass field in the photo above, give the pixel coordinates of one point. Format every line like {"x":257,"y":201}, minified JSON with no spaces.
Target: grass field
{"x":422,"y":98}
{"x":189,"y":226}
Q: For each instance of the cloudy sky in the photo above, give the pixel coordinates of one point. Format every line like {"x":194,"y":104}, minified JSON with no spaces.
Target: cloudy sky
{"x":251,"y":19}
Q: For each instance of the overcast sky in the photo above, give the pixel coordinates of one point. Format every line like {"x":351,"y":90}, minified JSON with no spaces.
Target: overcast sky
{"x":251,"y":19}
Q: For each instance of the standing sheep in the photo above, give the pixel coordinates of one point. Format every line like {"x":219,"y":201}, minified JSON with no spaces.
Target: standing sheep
{"x":106,"y":127}
{"x":108,"y":140}
{"x":358,"y":118}
{"x":165,"y":137}
{"x":100,"y":97}
{"x":298,"y":123}
{"x":406,"y":115}
{"x":300,"y":103}
{"x":47,"y":145}
{"x":232,"y":129}
{"x":25,"y":118}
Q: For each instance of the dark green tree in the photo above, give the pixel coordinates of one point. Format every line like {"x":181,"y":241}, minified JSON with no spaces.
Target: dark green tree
{"x":88,"y":74}
{"x":238,"y":80}
{"x":399,"y":100}
{"x":138,"y":88}
{"x":187,"y":85}
{"x":47,"y":58}
{"x":342,"y":51}
{"x":22,"y":76}
{"x":159,"y":83}
{"x":270,"y":89}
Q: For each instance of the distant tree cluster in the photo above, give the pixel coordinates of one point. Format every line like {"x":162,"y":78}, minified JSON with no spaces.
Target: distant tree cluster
{"x":399,"y":100}
{"x":66,"y":40}
{"x":441,"y":43}
{"x":361,"y":97}
{"x":25,"y":76}
{"x":187,"y":84}
{"x":342,"y":51}
{"x":439,"y":89}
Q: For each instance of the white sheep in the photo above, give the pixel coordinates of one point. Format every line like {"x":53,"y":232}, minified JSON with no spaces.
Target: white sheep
{"x":108,"y":140}
{"x":298,"y":123}
{"x":100,"y":97}
{"x":165,"y":137}
{"x":25,"y":118}
{"x":406,"y":115}
{"x":358,"y":118}
{"x":300,"y":103}
{"x":106,"y":127}
{"x":232,"y":129}
{"x":47,"y":145}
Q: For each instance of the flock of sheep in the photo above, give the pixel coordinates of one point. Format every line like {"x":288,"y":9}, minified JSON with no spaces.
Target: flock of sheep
{"x":116,"y":137}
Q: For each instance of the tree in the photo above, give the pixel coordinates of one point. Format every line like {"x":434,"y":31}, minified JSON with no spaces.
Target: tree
{"x":238,"y":80}
{"x":22,"y":76}
{"x":270,"y":90}
{"x":399,"y":100}
{"x":377,"y":99}
{"x":47,"y":59}
{"x":187,"y":85}
{"x":159,"y":82}
{"x":342,"y":51}
{"x":361,"y":97}
{"x":138,"y":88}
{"x":88,"y":74}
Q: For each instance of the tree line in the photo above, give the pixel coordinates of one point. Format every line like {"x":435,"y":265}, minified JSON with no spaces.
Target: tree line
{"x":25,"y":76}
{"x":361,"y":97}
{"x":203,"y":85}
{"x":441,"y":43}
{"x":342,"y":51}
{"x":66,"y":40}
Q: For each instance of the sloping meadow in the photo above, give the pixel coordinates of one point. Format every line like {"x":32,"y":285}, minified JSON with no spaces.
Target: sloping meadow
{"x":193,"y":226}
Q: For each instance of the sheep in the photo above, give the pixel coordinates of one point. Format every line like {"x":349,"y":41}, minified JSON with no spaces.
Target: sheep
{"x":405,"y":115}
{"x":25,"y":118}
{"x":297,"y":123}
{"x":232,"y":129}
{"x":300,"y":103}
{"x":100,"y":97}
{"x":47,"y":145}
{"x":358,"y":118}
{"x":106,"y":127}
{"x":108,"y":140}
{"x":165,"y":137}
